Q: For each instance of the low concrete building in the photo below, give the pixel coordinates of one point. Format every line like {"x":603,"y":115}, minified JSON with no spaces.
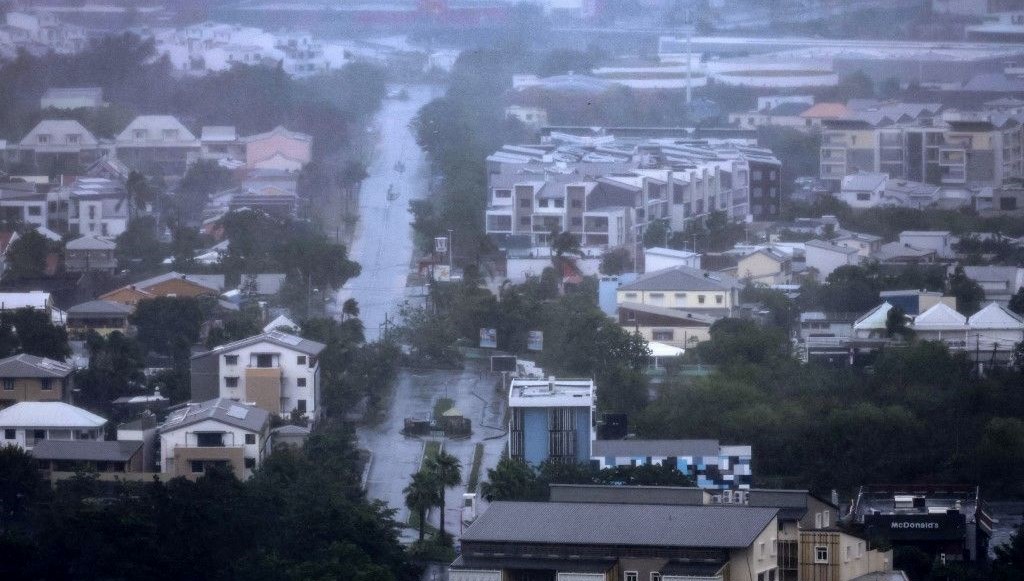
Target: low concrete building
{"x":765,"y":266}
{"x":551,"y":419}
{"x":684,"y":288}
{"x":167,"y":285}
{"x":25,"y":424}
{"x":218,"y":432}
{"x":656,"y":259}
{"x":940,"y":241}
{"x":26,"y":377}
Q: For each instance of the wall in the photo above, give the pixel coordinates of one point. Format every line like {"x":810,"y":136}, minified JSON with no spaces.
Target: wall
{"x":687,"y":300}
{"x":762,"y":269}
{"x":290,"y":372}
{"x":747,"y":563}
{"x":178,"y":446}
{"x":31,"y":389}
{"x":518,"y":269}
{"x":654,"y":261}
{"x":825,"y":261}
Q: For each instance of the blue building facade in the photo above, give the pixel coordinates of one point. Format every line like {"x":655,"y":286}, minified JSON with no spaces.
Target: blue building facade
{"x":551,"y":420}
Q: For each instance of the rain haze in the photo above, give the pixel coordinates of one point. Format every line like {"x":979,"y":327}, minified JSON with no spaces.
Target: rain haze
{"x":501,"y":290}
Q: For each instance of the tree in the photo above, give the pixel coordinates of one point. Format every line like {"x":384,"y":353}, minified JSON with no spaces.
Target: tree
{"x":350,"y":309}
{"x":140,"y":192}
{"x":20,"y":483}
{"x":115,"y":368}
{"x":512,"y":479}
{"x":657,"y":234}
{"x":615,"y":261}
{"x":137,"y":248}
{"x":563,"y":243}
{"x":1017,"y":302}
{"x":168,"y":325}
{"x":446,"y":472}
{"x":968,"y":293}
{"x":203,"y":178}
{"x":896,"y":324}
{"x":26,"y":257}
{"x":422,"y":494}
{"x":31,"y":331}
{"x":1009,"y":561}
{"x":566,"y":60}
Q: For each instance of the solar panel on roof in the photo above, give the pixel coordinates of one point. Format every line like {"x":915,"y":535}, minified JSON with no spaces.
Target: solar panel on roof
{"x":238,"y":412}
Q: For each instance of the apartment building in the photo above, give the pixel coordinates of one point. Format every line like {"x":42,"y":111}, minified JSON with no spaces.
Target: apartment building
{"x":98,"y":207}
{"x":64,"y":145}
{"x":683,"y":288}
{"x":218,"y":432}
{"x":956,"y":150}
{"x":275,"y":371}
{"x":551,"y":419}
{"x":157,"y":144}
{"x":607,"y":190}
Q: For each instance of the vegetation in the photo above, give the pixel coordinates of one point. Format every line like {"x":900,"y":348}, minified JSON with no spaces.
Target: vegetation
{"x":26,"y":257}
{"x":32,"y":331}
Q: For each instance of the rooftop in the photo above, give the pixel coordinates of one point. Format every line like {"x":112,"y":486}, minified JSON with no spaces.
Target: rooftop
{"x":551,"y":393}
{"x":48,"y":414}
{"x":682,"y":278}
{"x":89,"y":242}
{"x":86,"y":450}
{"x":226,"y":411}
{"x":636,"y":525}
{"x":25,"y":365}
{"x":99,"y":307}
{"x":278,"y":338}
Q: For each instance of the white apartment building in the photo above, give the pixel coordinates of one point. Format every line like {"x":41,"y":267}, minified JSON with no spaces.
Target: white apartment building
{"x":275,"y":371}
{"x":218,"y":432}
{"x":98,"y":207}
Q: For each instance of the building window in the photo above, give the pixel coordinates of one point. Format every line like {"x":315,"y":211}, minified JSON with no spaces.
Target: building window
{"x":209,"y":439}
{"x":231,"y":360}
{"x":250,"y":463}
{"x":73,"y":138}
{"x":655,"y":576}
{"x":250,"y":439}
{"x":525,"y":203}
{"x":231,"y":382}
{"x":821,"y":554}
{"x":630,"y":295}
{"x":301,"y":406}
{"x":763,"y":548}
{"x":196,"y":466}
{"x":301,"y":360}
{"x":502,"y":193}
{"x":9,"y":434}
{"x":8,"y":385}
{"x":35,"y":211}
{"x":662,"y":335}
{"x":524,"y":221}
{"x":849,"y":553}
{"x":140,"y":134}
{"x":577,"y":221}
{"x":264,"y":360}
{"x":577,"y":204}
{"x":864,"y":197}
{"x":700,"y":299}
{"x":632,"y":576}
{"x":301,"y":382}
{"x":719,"y":299}
{"x":680,"y":296}
{"x":824,"y":519}
{"x":657,"y":296}
{"x":46,"y":384}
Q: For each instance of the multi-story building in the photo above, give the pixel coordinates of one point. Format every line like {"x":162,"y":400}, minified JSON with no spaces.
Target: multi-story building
{"x":551,"y":419}
{"x":686,"y":289}
{"x":707,"y":462}
{"x":157,"y":144}
{"x":28,"y":422}
{"x":275,"y":371}
{"x":103,"y":317}
{"x":218,"y":432}
{"x":26,"y":377}
{"x":956,"y":150}
{"x":58,"y":146}
{"x":278,"y":149}
{"x":607,"y":190}
{"x":98,"y":207}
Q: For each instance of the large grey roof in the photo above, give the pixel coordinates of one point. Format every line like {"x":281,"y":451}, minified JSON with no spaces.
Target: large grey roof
{"x":643,"y":525}
{"x":682,"y":278}
{"x":210,"y":281}
{"x":232,"y":413}
{"x":86,"y":450}
{"x":24,"y":365}
{"x":91,"y":243}
{"x":637,"y":448}
{"x":701,"y":318}
{"x":280,"y":338}
{"x":99,"y":307}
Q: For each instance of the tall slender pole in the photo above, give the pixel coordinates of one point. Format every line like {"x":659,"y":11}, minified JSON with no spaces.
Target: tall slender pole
{"x":451,"y":251}
{"x":689,"y":59}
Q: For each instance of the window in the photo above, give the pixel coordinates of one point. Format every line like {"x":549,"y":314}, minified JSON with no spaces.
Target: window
{"x":141,"y":134}
{"x":700,"y":299}
{"x":775,"y":547}
{"x":301,"y":406}
{"x":231,"y":382}
{"x":209,"y":439}
{"x":39,"y":434}
{"x":196,"y":466}
{"x":301,"y":382}
{"x":92,"y":212}
{"x":250,"y":463}
{"x":630,"y":295}
{"x":632,"y":576}
{"x":9,"y":434}
{"x":680,"y":296}
{"x":817,"y":520}
{"x":719,"y":299}
{"x":170,"y":133}
{"x":73,"y":138}
{"x":264,"y":360}
{"x":763,"y":548}
{"x":35,"y":211}
{"x":46,"y":384}
{"x":525,"y":203}
{"x":655,"y":576}
{"x":559,"y":203}
{"x":657,"y":296}
{"x":524,"y":221}
{"x":849,"y":553}
{"x":824,"y":519}
{"x":301,"y":360}
{"x":864,"y":196}
{"x":8,"y":385}
{"x":662,"y":335}
{"x":577,"y":221}
{"x":502,"y":193}
{"x":821,"y":554}
{"x":577,"y":204}
{"x":231,"y":360}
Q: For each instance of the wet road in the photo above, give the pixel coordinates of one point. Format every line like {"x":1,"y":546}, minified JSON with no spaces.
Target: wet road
{"x":383,"y":243}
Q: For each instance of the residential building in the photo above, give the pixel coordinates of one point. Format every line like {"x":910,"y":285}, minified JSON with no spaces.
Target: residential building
{"x":144,"y":428}
{"x":221,"y":143}
{"x":157,"y":144}
{"x":98,"y":207}
{"x":674,"y":327}
{"x":103,"y":317}
{"x":38,"y":300}
{"x":994,"y":332}
{"x":939,"y":241}
{"x":278,"y":149}
{"x":90,"y":253}
{"x":914,"y":302}
{"x":40,"y":32}
{"x":289,"y":435}
{"x":551,"y":419}
{"x":105,"y":457}
{"x":837,"y":554}
{"x":24,"y":203}
{"x":707,"y":462}
{"x":531,"y":117}
{"x":63,"y":145}
{"x":218,"y":432}
{"x":973,"y":7}
{"x":864,"y":189}
{"x":72,"y":98}
{"x":626,"y":542}
{"x":686,"y":289}
{"x":276,"y":371}
{"x":865,"y":244}
{"x":27,"y":423}
{"x":166,"y":285}
{"x":999,"y":282}
{"x":897,"y":253}
{"x":661,"y":258}
{"x":786,"y":114}
{"x":941,"y":323}
{"x":25,"y":377}
{"x":766,"y":266}
{"x":946,"y":522}
{"x":825,"y":257}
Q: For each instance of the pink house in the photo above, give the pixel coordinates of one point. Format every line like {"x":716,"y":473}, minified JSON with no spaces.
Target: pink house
{"x":279,"y":149}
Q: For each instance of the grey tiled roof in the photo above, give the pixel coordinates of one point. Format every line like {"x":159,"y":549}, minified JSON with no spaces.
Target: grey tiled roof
{"x":99,"y":307}
{"x":682,"y":278}
{"x":286,"y":340}
{"x":638,"y":525}
{"x":86,"y":450}
{"x":232,"y":413}
{"x":25,"y":365}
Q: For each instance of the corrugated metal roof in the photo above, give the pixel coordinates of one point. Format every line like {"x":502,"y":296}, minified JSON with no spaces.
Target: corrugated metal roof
{"x":48,"y":414}
{"x":682,"y":278}
{"x":86,"y":450}
{"x":620,"y":524}
{"x":226,"y":411}
{"x":25,"y":365}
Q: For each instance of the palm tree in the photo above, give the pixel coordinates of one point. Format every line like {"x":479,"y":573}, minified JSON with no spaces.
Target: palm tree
{"x":447,"y":473}
{"x":421,"y":495}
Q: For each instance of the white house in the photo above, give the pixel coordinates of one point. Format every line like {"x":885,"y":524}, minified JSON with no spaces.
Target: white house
{"x":825,"y":257}
{"x":661,"y":258}
{"x":940,"y":241}
{"x":866,"y":244}
{"x":98,"y":207}
{"x":218,"y":432}
{"x":994,"y":332}
{"x":872,"y":325}
{"x":275,"y":371}
{"x":863,"y":189}
{"x":943,"y":324}
{"x":28,"y":422}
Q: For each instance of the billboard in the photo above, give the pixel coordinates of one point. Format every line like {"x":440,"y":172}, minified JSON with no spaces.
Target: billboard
{"x":535,"y":341}
{"x":501,"y":363}
{"x":489,"y":338}
{"x":916,"y":527}
{"x":442,"y":273}
{"x":441,"y":245}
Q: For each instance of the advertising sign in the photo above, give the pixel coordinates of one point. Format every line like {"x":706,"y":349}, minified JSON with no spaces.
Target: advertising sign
{"x":535,"y":341}
{"x":441,"y":245}
{"x":501,"y":363}
{"x":489,"y":338}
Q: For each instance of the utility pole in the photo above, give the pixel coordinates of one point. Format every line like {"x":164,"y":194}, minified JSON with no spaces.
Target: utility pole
{"x":451,"y":252}
{"x":689,"y":57}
